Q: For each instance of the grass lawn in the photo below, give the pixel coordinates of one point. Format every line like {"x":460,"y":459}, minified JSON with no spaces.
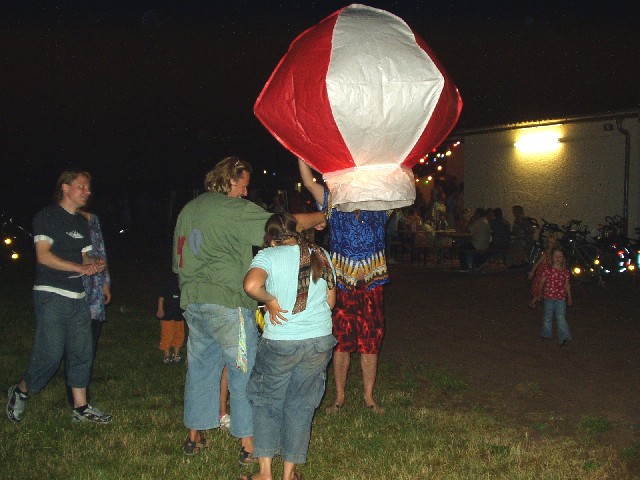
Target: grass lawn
{"x":418,"y":437}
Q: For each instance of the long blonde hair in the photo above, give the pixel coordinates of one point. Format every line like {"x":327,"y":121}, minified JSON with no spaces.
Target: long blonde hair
{"x":218,"y":179}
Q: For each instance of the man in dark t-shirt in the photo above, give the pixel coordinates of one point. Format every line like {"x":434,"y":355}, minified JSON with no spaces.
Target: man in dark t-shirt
{"x":63,"y":323}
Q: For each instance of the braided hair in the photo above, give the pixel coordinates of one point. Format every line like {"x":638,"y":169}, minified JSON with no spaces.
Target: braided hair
{"x":281,"y":227}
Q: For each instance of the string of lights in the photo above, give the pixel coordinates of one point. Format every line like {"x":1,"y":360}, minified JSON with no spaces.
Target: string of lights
{"x":434,"y":164}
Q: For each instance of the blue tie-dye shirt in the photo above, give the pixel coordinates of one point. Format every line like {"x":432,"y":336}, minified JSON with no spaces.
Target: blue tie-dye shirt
{"x":357,"y":242}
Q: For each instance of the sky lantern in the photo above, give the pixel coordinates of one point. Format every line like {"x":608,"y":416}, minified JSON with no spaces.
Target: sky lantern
{"x":360,"y":98}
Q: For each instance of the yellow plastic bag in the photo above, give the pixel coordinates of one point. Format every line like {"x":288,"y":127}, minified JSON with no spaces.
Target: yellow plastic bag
{"x":260,"y":319}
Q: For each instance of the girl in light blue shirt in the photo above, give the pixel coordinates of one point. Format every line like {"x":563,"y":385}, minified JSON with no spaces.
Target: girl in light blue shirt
{"x":295,"y":280}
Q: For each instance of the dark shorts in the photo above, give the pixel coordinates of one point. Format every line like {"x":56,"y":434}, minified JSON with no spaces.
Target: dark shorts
{"x":358,"y":319}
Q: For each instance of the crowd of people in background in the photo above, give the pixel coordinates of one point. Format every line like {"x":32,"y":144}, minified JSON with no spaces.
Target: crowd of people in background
{"x":484,"y":235}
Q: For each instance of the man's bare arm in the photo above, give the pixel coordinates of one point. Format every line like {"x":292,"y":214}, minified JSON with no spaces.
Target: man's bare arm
{"x":46,"y":257}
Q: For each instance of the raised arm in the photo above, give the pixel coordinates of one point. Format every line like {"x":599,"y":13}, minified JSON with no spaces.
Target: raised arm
{"x":306,"y":175}
{"x":306,"y":221}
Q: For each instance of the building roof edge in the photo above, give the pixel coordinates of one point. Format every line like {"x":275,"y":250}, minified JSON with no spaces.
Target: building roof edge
{"x":611,"y":115}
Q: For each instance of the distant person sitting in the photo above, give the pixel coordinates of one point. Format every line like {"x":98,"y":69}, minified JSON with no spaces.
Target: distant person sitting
{"x":412,"y":219}
{"x":392,"y":238}
{"x":441,"y":222}
{"x":522,"y":238}
{"x":473,"y":254}
{"x":500,"y":234}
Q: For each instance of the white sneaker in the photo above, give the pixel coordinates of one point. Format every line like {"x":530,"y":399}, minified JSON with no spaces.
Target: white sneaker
{"x":225,"y":421}
{"x":16,"y":402}
{"x":90,"y":414}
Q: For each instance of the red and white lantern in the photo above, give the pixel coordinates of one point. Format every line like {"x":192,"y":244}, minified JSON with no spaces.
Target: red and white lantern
{"x":360,"y":98}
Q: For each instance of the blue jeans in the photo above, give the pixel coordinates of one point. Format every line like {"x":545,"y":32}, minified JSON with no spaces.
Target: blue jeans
{"x":559,"y":307}
{"x":96,"y":330}
{"x":212,"y":344}
{"x":63,"y":327}
{"x":286,"y":387}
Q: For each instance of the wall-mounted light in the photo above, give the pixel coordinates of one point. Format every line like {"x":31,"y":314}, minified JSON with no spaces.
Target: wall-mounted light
{"x":538,"y":141}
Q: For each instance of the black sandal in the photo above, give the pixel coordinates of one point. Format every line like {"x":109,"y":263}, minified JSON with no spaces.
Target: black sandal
{"x":193,"y":447}
{"x":246,"y":458}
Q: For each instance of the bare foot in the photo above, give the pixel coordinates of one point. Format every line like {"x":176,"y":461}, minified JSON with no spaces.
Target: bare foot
{"x":375,"y":408}
{"x":335,"y":408}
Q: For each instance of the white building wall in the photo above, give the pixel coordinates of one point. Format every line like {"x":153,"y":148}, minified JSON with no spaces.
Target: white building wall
{"x":583,"y":178}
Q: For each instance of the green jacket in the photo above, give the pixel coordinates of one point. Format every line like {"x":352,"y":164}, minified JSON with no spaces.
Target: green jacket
{"x":213,"y":248}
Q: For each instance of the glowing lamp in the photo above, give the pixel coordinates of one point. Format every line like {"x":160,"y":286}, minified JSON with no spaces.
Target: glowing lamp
{"x":538,"y":142}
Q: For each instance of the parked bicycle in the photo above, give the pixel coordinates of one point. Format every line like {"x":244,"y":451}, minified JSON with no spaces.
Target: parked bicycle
{"x":583,"y":260}
{"x":583,"y":255}
{"x":541,"y":233}
{"x":591,"y":256}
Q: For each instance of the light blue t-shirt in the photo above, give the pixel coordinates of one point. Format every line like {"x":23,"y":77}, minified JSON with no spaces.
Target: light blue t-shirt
{"x":282,"y":264}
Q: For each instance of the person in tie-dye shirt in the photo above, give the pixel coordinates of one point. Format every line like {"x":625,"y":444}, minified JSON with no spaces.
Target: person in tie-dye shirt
{"x":358,"y":255}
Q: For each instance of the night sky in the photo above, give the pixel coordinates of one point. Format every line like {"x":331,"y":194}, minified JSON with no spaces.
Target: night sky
{"x":149,"y":95}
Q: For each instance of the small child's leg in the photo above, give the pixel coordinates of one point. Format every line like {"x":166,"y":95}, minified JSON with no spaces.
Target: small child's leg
{"x":178,"y":340}
{"x":225,"y":419}
{"x":166,"y":332}
{"x":564,"y":335}
{"x":547,"y":319}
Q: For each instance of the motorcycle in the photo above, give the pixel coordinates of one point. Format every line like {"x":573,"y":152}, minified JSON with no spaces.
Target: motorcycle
{"x":618,"y":254}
